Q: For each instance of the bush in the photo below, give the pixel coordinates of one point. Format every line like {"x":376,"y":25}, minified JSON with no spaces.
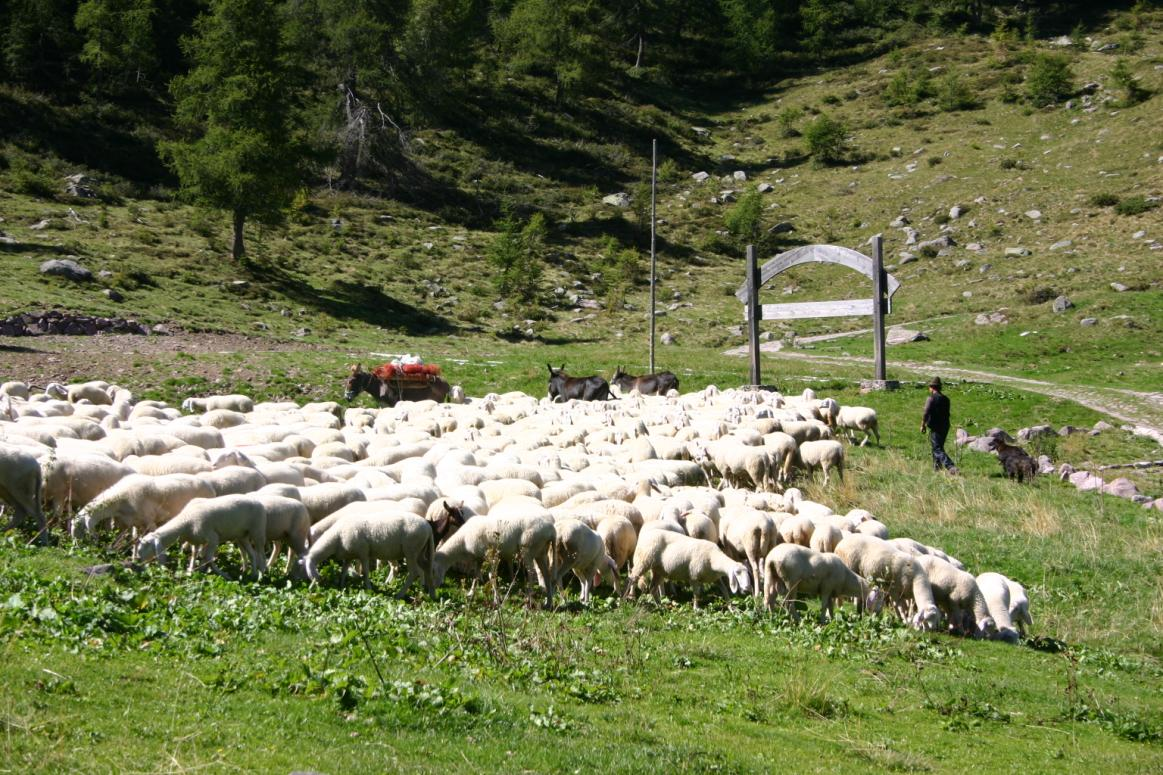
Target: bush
{"x":907,"y":88}
{"x":1048,"y":80}
{"x":788,"y":118}
{"x":1134,"y":205}
{"x":827,"y":139}
{"x":744,"y":219}
{"x":669,"y":171}
{"x":33,"y":183}
{"x":953,"y":94}
{"x":1104,"y":200}
{"x":1133,"y":91}
{"x":515,"y":254}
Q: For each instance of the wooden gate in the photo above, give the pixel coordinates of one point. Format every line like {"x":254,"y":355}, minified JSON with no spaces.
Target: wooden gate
{"x":883,"y":287}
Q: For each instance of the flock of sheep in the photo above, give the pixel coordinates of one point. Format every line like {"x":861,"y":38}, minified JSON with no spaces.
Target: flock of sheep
{"x":690,"y":490}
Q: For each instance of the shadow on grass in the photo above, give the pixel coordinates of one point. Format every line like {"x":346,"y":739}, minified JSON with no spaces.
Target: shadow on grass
{"x":38,"y":247}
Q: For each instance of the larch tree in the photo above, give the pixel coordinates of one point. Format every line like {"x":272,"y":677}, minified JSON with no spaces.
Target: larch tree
{"x":247,"y":150}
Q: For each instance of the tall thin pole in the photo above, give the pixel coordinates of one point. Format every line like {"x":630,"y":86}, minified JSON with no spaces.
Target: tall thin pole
{"x":653,"y":267}
{"x":878,"y":308}
{"x":753,"y":312}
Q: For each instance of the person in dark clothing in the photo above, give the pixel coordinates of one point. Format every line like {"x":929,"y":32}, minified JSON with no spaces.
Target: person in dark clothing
{"x":936,"y":419}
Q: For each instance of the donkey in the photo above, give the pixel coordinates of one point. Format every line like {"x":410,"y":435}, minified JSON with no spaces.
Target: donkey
{"x":563,"y":387}
{"x":658,"y":384}
{"x":388,"y":392}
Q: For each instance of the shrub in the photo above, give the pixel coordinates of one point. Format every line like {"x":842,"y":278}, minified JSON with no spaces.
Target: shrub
{"x":669,"y":171}
{"x":33,"y":183}
{"x":1048,"y":80}
{"x":1133,"y":91}
{"x":1134,"y":205}
{"x":515,"y":254}
{"x":1104,"y":200}
{"x":788,"y":118}
{"x":907,"y":88}
{"x":744,"y":219}
{"x":1039,"y":295}
{"x":952,"y":94}
{"x":827,"y":139}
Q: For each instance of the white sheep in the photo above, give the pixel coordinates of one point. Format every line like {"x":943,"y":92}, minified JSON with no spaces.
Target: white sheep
{"x":505,"y":539}
{"x":825,"y":538}
{"x":826,"y":455}
{"x":916,"y":548}
{"x":234,"y":403}
{"x":670,"y":556}
{"x":373,"y":531}
{"x":794,"y":571}
{"x":580,"y":549}
{"x":72,"y":481}
{"x":619,"y":538}
{"x":234,"y":480}
{"x":858,"y":418}
{"x":208,"y":522}
{"x":140,"y":503}
{"x":287,"y":523}
{"x":21,"y":485}
{"x":958,"y":596}
{"x":899,"y":574}
{"x":748,"y":535}
{"x":1019,"y":606}
{"x":996,"y":589}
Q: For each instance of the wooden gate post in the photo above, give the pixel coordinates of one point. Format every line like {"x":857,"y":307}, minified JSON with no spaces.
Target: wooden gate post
{"x":753,"y":311}
{"x":878,"y":308}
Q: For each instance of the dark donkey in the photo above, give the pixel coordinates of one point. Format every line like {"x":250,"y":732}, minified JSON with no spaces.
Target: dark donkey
{"x":388,"y":391}
{"x":563,"y":387}
{"x":651,"y":385}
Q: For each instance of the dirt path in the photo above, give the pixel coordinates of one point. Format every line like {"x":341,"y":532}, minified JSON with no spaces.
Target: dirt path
{"x":1143,"y":410}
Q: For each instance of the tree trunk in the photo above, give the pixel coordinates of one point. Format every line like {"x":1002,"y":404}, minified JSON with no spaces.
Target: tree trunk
{"x":237,"y":250}
{"x":641,"y":44}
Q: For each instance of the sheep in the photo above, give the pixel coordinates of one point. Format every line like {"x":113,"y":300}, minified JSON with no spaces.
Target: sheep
{"x":21,"y":486}
{"x":72,"y":481}
{"x":503,"y":538}
{"x":370,"y":532}
{"x":234,"y":480}
{"x":96,"y":392}
{"x":699,"y":525}
{"x":996,"y":590}
{"x":670,"y":556}
{"x":858,"y":418}
{"x":207,"y":522}
{"x":958,"y":596}
{"x":287,"y":521}
{"x":872,"y":527}
{"x":1019,"y":606}
{"x":619,"y":538}
{"x":793,"y":571}
{"x":140,"y":503}
{"x":748,"y":535}
{"x":825,"y":455}
{"x":234,"y":403}
{"x":797,"y":530}
{"x":160,"y":465}
{"x":900,"y":575}
{"x":825,"y":538}
{"x":15,"y":389}
{"x":496,"y":490}
{"x":916,"y":548}
{"x":580,"y":549}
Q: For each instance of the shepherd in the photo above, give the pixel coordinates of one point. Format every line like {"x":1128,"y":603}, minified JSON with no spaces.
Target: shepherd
{"x":936,"y":419}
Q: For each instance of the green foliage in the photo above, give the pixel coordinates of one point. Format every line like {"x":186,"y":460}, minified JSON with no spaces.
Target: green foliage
{"x":562,"y":39}
{"x":827,"y":139}
{"x":753,"y":29}
{"x":1135,"y":205}
{"x":907,"y":88}
{"x":242,"y":103}
{"x":745,"y":219}
{"x":1048,"y":80}
{"x":788,"y":118}
{"x":1122,"y":77}
{"x":622,"y":269}
{"x":515,"y":254}
{"x":119,"y":41}
{"x":1104,"y":199}
{"x":953,"y":93}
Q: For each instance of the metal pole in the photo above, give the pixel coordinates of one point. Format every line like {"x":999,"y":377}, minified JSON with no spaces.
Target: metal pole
{"x":753,"y":312}
{"x":653,"y":266}
{"x":878,"y":284}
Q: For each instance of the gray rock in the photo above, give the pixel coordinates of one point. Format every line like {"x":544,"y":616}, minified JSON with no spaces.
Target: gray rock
{"x":1000,"y":433}
{"x":1034,"y":214}
{"x":944,"y":241}
{"x":976,"y":247}
{"x":907,"y":258}
{"x":700,"y":177}
{"x":1085,"y":481}
{"x":898,"y":335}
{"x":1067,"y":430}
{"x":735,"y":330}
{"x":728,"y":196}
{"x":80,"y":185}
{"x":1119,"y":287}
{"x":955,"y":212}
{"x":1061,"y":244}
{"x":67,"y":268}
{"x":1155,"y":504}
{"x":961,"y":437}
{"x":985,"y":268}
{"x":1121,"y":488}
{"x":1103,"y":425}
{"x":1017,"y":252}
{"x":910,"y":235}
{"x":1064,"y":471}
{"x":113,"y":295}
{"x":620,"y":199}
{"x":763,"y":188}
{"x":160,"y":329}
{"x":40,"y":225}
{"x":667,"y":338}
{"x":1088,"y":322}
{"x":991,"y":318}
{"x":783,"y":227}
{"x":739,"y":175}
{"x":1035,"y":432}
{"x":1061,"y":304}
{"x":979,"y":444}
{"x":1045,"y":464}
{"x":899,"y":222}
{"x":701,"y":131}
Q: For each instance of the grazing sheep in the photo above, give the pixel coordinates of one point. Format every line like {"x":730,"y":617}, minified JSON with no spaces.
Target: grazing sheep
{"x":506,"y":538}
{"x":899,"y":574}
{"x":797,"y":530}
{"x":234,"y":480}
{"x":670,"y":556}
{"x":72,"y":481}
{"x":793,"y":571}
{"x":858,"y":418}
{"x":619,"y":539}
{"x":579,"y":549}
{"x":696,"y":524}
{"x":1019,"y":606}
{"x":207,"y":522}
{"x":825,"y":455}
{"x":234,"y":403}
{"x":748,"y":534}
{"x":140,"y":503}
{"x":958,"y":596}
{"x":21,"y":485}
{"x":825,"y":538}
{"x":1014,"y":460}
{"x":368,"y":532}
{"x":916,"y":548}
{"x":287,"y":522}
{"x":996,"y":590}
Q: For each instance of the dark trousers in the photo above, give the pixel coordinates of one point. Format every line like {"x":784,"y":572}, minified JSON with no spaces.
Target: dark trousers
{"x":937,"y":440}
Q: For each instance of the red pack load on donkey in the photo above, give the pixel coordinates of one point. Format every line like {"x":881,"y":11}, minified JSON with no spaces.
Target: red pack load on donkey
{"x":407,"y":378}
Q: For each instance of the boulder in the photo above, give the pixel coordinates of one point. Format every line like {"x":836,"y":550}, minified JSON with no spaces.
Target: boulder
{"x":991,"y":318}
{"x":667,"y":338}
{"x":700,"y":177}
{"x":1035,"y":432}
{"x":1061,"y":304}
{"x":1065,"y":470}
{"x":1121,"y":488}
{"x":739,"y":175}
{"x":897,"y":335}
{"x":961,"y":437}
{"x":763,"y":188}
{"x":66,"y":268}
{"x":1061,"y":244}
{"x":1034,"y":214}
{"x":1045,"y":465}
{"x":1017,"y":252}
{"x":1119,"y":287}
{"x":620,"y":199}
{"x":1085,"y":481}
{"x":1088,"y":322}
{"x":1066,"y":430}
{"x":1103,"y":425}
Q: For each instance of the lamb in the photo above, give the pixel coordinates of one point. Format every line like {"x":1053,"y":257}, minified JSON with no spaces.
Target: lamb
{"x":669,"y":556}
{"x":21,"y":485}
{"x":140,"y":503}
{"x":207,"y":522}
{"x":579,"y":549}
{"x":793,"y":571}
{"x":825,"y":455}
{"x":748,"y":534}
{"x":1014,"y":460}
{"x":858,"y":418}
{"x":958,"y":596}
{"x":996,"y":590}
{"x":504,"y":538}
{"x":370,"y":532}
